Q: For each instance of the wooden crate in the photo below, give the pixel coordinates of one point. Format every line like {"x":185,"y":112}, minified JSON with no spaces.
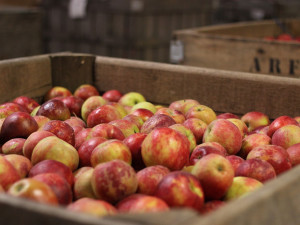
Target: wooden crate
{"x":241,"y":47}
{"x":276,"y":203}
{"x":135,"y":29}
{"x":20,"y":32}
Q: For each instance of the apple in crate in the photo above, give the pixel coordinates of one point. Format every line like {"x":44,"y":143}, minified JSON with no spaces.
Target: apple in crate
{"x":20,"y":163}
{"x":201,"y":150}
{"x":41,"y":121}
{"x":131,"y":98}
{"x":26,"y":102}
{"x":114,"y":180}
{"x":112,"y":95}
{"x":54,"y":109}
{"x":149,"y":178}
{"x":227,"y":115}
{"x":144,"y":114}
{"x":17,"y":125}
{"x":8,"y":108}
{"x":181,"y":189}
{"x":286,"y":136}
{"x":57,"y":91}
{"x":74,"y":104}
{"x":123,"y":112}
{"x":201,"y":112}
{"x":82,"y":183}
{"x":177,"y":116}
{"x":126,"y":127}
{"x":235,"y":161}
{"x":241,"y":125}
{"x":8,"y":173}
{"x":138,"y":121}
{"x":255,"y":119}
{"x":85,"y":91}
{"x":81,"y":136}
{"x":167,"y":147}
{"x":52,"y":166}
{"x":157,"y":121}
{"x":91,"y":104}
{"x":215,"y":173}
{"x":75,"y":121}
{"x":57,"y":149}
{"x":294,"y":153}
{"x":33,"y":190}
{"x":186,"y":132}
{"x":280,"y":122}
{"x":183,"y":105}
{"x":13,"y":146}
{"x":197,"y":126}
{"x":141,"y":203}
{"x":93,"y":207}
{"x":103,"y":114}
{"x":107,"y":131}
{"x":225,"y":133}
{"x":144,"y":105}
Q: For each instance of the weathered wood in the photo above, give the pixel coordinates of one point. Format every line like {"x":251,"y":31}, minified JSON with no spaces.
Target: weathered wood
{"x":30,"y":76}
{"x":241,"y":47}
{"x":223,"y":91}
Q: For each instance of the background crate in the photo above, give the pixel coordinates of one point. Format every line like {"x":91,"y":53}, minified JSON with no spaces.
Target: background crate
{"x":242,"y":47}
{"x":136,"y":29}
{"x":20,"y":32}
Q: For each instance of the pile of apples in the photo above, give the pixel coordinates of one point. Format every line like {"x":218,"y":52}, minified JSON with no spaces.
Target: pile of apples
{"x":118,"y":153}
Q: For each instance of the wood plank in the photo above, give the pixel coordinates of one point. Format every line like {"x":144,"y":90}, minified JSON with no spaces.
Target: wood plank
{"x":224,"y":91}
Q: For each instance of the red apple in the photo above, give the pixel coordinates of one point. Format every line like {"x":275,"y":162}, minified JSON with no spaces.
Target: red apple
{"x":33,"y":190}
{"x":57,"y":91}
{"x":75,"y":121}
{"x":93,"y":207}
{"x":114,"y":180}
{"x":138,"y":121}
{"x":121,"y":109}
{"x":235,"y":161}
{"x":17,"y":125}
{"x":144,"y":114}
{"x":294,"y":153}
{"x":82,"y":183}
{"x":140,"y":203}
{"x":149,"y":177}
{"x":256,"y":168}
{"x":91,"y":104}
{"x":8,"y":174}
{"x":186,"y":132}
{"x":241,"y":125}
{"x":260,"y":130}
{"x":181,"y":189}
{"x":107,"y":131}
{"x":128,"y":128}
{"x":103,"y":114}
{"x":225,"y":133}
{"x":41,"y":121}
{"x":62,"y":130}
{"x":275,"y":155}
{"x":74,"y":104}
{"x":202,"y":112}
{"x":215,"y":173}
{"x":215,"y":145}
{"x":280,"y":122}
{"x":55,"y":148}
{"x":54,"y":109}
{"x":177,"y":116}
{"x":85,"y":91}
{"x":255,"y":119}
{"x":110,"y":150}
{"x":157,"y":121}
{"x":227,"y":115}
{"x":197,"y":126}
{"x":112,"y":95}
{"x":20,"y":163}
{"x":81,"y":136}
{"x":9,"y":108}
{"x":59,"y":186}
{"x":13,"y":146}
{"x":183,"y":105}
{"x":201,"y":151}
{"x":286,"y":136}
{"x":167,"y":147}
{"x":26,"y":102}
{"x":52,"y":166}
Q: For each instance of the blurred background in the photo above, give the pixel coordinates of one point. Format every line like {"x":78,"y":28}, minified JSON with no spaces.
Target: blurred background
{"x":135,"y":29}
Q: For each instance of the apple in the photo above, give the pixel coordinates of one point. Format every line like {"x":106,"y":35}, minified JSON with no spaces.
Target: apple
{"x":149,"y":177}
{"x":75,"y":121}
{"x":86,"y":148}
{"x":157,"y":121}
{"x":112,"y":95}
{"x":280,"y":122}
{"x":32,"y":141}
{"x":138,"y":121}
{"x":114,"y":180}
{"x":26,"y":102}
{"x":167,"y":147}
{"x":33,"y":190}
{"x":52,"y":166}
{"x":198,"y":128}
{"x":20,"y":163}
{"x":200,"y":151}
{"x":175,"y":114}
{"x":57,"y":91}
{"x":235,"y":161}
{"x":202,"y":112}
{"x":255,"y":119}
{"x":294,"y":154}
{"x":85,"y":91}
{"x":274,"y":154}
{"x":110,"y":150}
{"x":227,"y":115}
{"x":252,"y":141}
{"x":57,"y":149}
{"x":140,"y":203}
{"x":17,"y":125}
{"x":8,"y":174}
{"x":215,"y":145}
{"x":183,"y":105}
{"x":121,"y":109}
{"x":144,"y":114}
{"x":91,"y":104}
{"x":256,"y":168}
{"x":286,"y":136}
{"x":82,"y":183}
{"x":225,"y":133}
{"x":181,"y":189}
{"x":81,"y":136}
{"x":260,"y":130}
{"x":241,"y":125}
{"x":215,"y":173}
{"x":107,"y":131}
{"x":74,"y":104}
{"x":8,"y":108}
{"x":13,"y":146}
{"x":211,"y":206}
{"x":134,"y":143}
{"x":93,"y":207}
{"x":103,"y":114}
{"x":144,"y":105}
{"x":54,"y":109}
{"x":186,"y":132}
{"x":59,"y":186}
{"x":131,"y":98}
{"x":126,"y":127}
{"x":242,"y":186}
{"x":41,"y":121}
